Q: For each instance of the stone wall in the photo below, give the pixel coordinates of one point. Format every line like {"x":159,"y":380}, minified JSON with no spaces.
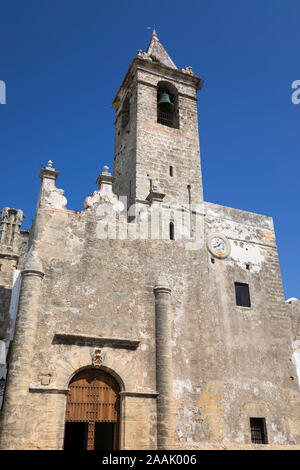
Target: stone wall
{"x":229,"y":363}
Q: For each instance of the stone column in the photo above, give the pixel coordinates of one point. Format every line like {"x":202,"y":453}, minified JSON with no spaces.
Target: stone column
{"x":164,"y":367}
{"x":16,"y":399}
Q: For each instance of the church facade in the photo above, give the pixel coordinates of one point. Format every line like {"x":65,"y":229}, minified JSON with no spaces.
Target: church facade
{"x":152,"y":319}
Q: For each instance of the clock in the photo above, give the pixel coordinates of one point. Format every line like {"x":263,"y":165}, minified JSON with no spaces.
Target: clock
{"x":218,"y":245}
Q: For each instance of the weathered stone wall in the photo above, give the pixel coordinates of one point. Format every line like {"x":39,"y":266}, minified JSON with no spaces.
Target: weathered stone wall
{"x":8,"y":265}
{"x":125,"y":147}
{"x":145,"y":149}
{"x":254,"y":343}
{"x":13,"y":247}
{"x":229,"y":362}
{"x":293,"y":306}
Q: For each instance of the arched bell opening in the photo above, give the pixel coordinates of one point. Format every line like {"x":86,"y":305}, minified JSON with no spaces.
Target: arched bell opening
{"x":167,"y":105}
{"x":92,"y":411}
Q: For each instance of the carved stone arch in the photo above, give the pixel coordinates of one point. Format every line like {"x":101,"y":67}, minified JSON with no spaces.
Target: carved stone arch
{"x":108,"y":370}
{"x":75,"y":361}
{"x":168,"y":86}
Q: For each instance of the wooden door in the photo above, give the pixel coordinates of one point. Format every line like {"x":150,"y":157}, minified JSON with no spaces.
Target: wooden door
{"x":93,"y":399}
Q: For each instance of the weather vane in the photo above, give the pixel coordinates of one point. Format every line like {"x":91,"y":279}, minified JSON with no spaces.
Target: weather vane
{"x":154,"y":28}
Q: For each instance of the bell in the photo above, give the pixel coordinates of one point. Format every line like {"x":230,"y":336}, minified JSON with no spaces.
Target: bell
{"x":164,"y":103}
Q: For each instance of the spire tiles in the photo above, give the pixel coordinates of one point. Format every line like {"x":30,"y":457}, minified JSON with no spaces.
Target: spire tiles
{"x":157,"y":52}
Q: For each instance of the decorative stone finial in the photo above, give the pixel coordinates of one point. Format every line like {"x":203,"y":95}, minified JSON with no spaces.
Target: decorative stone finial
{"x":48,"y":172}
{"x":105,"y":170}
{"x":105,"y":177}
{"x":189,"y":70}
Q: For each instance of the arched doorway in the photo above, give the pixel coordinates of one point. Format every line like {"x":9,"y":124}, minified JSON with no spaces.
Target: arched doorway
{"x":92,"y":412}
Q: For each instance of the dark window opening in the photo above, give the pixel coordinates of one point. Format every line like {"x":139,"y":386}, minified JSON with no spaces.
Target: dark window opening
{"x":172,"y":231}
{"x":189,"y":193}
{"x":258,"y":431}
{"x":171,"y":171}
{"x":242,"y":294}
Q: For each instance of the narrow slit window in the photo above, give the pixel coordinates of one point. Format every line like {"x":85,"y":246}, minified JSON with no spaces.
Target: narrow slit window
{"x":189,"y":193}
{"x":172,"y":232}
{"x":242,"y":294}
{"x":258,"y":431}
{"x":171,"y":171}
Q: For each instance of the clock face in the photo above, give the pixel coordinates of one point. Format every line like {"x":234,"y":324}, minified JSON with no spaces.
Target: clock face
{"x":218,"y":245}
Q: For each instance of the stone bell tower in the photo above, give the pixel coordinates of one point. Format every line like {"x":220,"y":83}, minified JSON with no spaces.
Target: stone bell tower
{"x":156,"y":131}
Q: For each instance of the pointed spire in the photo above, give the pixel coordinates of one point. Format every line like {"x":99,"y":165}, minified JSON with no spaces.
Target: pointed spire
{"x":157,"y":51}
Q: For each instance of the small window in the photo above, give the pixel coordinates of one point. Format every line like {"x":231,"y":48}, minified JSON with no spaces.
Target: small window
{"x":172,"y":233}
{"x":258,"y":431}
{"x":171,"y":171}
{"x":242,"y":294}
{"x":189,"y":193}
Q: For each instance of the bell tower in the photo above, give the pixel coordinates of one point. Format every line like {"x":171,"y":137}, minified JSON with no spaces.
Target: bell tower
{"x":156,"y":131}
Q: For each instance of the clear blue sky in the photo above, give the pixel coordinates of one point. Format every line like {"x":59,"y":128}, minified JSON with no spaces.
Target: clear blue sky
{"x":63,"y":61}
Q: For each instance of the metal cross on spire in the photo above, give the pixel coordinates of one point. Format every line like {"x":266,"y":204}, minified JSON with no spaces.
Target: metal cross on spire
{"x":154,"y":28}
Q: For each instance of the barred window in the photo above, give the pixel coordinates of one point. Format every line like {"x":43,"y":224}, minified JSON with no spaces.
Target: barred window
{"x":258,"y":431}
